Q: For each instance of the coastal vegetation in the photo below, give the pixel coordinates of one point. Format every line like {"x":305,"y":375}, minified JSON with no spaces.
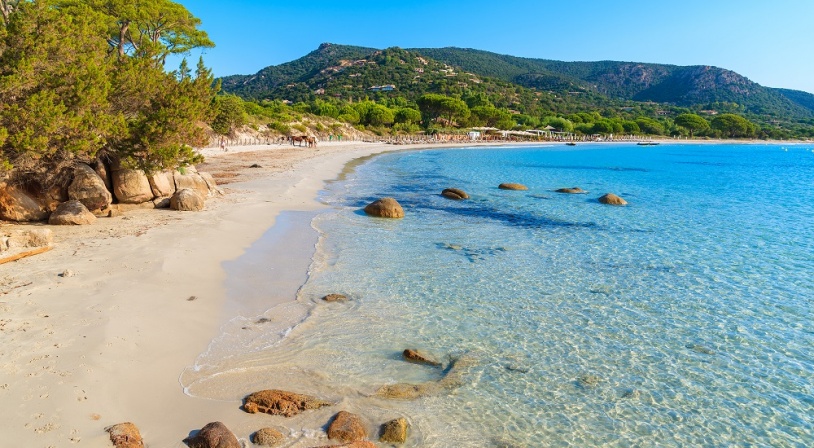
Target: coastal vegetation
{"x":519,"y":94}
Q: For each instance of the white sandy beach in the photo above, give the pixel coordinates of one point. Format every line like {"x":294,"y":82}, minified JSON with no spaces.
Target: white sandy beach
{"x":145,"y":295}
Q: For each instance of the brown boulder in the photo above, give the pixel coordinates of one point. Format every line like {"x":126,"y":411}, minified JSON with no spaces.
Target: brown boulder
{"x":454,"y":193}
{"x":162,"y":184}
{"x":186,"y":200}
{"x":131,"y":186}
{"x":419,"y":358}
{"x":213,"y":435}
{"x":385,"y":208}
{"x":192,"y":180}
{"x":346,"y":427}
{"x":279,"y":402}
{"x":89,"y":189}
{"x":573,"y":190}
{"x":511,"y":186}
{"x":19,"y":205}
{"x":267,"y":437}
{"x":612,"y":199}
{"x":71,"y":213}
{"x":394,"y":431}
{"x":210,"y":183}
{"x":335,"y":298}
{"x":125,"y":435}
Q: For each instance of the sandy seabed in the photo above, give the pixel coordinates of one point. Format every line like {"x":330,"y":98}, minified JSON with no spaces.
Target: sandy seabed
{"x":98,"y":330}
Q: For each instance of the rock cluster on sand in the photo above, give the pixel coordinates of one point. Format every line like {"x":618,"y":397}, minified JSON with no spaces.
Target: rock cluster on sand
{"x":572,"y":190}
{"x":394,"y":431}
{"x":213,"y":435}
{"x":385,"y":208}
{"x":125,"y":435}
{"x":455,"y":194}
{"x":279,"y":402}
{"x":102,"y":188}
{"x":512,"y":186}
{"x":612,"y":199}
{"x":347,"y":427}
{"x":267,"y":437}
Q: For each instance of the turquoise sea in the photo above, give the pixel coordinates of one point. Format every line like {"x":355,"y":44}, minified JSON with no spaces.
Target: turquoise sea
{"x":683,"y":319}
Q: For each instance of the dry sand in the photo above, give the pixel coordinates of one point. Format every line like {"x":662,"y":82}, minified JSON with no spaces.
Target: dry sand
{"x":141,"y":297}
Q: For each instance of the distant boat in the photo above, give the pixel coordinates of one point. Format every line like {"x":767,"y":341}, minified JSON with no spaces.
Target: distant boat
{"x":571,"y":144}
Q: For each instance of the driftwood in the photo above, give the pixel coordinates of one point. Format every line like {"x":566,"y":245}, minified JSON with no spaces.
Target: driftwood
{"x":27,"y":253}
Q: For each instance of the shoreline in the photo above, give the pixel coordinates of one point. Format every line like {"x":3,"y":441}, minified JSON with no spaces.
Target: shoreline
{"x":144,"y":298}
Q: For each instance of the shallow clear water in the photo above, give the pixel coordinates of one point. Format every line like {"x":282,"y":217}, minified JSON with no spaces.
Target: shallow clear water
{"x":683,"y":319}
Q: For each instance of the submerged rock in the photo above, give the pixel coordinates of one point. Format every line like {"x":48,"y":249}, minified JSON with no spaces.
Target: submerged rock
{"x":512,"y":186}
{"x":453,"y":377}
{"x":455,"y":194}
{"x":589,"y":380}
{"x":612,"y":199}
{"x":394,"y":431}
{"x":279,"y":402}
{"x":704,"y":350}
{"x":346,"y":427}
{"x":385,"y":208}
{"x":419,"y":358}
{"x":213,"y":435}
{"x":267,"y":437}
{"x":572,"y":190}
{"x":335,"y":298}
{"x":125,"y":435}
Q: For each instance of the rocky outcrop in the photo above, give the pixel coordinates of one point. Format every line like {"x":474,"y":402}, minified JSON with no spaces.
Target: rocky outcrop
{"x":103,"y":171}
{"x":279,"y":402}
{"x":385,"y":208}
{"x":131,"y":186}
{"x":210,"y":183}
{"x":89,"y":189}
{"x":162,"y":184}
{"x":125,"y":435}
{"x":346,"y":427}
{"x":213,"y":435}
{"x":186,"y":200}
{"x":394,"y":431}
{"x":419,"y":358}
{"x":572,"y":190}
{"x":453,"y":378}
{"x":267,"y":437}
{"x":71,"y":213}
{"x":192,"y":180}
{"x":335,"y":298}
{"x":455,"y":194}
{"x":18,"y":205}
{"x":612,"y":199}
{"x":512,"y":186}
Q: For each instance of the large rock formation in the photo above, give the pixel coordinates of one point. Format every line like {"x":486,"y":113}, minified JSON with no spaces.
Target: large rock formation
{"x":71,"y":213}
{"x":213,"y":435}
{"x":89,"y":189}
{"x":346,"y":427}
{"x":612,"y":199}
{"x":125,"y":435}
{"x":162,"y":184}
{"x":210,"y":183}
{"x":279,"y":402}
{"x":394,"y":431}
{"x":455,"y":194}
{"x":452,"y":378}
{"x":267,"y":437}
{"x":19,"y":205}
{"x":186,"y":200}
{"x":131,"y":186}
{"x":512,"y":186}
{"x":385,"y":208}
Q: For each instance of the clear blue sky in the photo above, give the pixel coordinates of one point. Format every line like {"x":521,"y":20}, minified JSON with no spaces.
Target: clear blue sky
{"x":770,"y":42}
